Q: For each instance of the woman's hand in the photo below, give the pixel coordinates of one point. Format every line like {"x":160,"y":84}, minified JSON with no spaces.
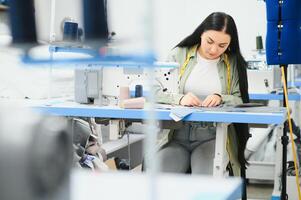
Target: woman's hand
{"x":190,"y":99}
{"x":212,"y":100}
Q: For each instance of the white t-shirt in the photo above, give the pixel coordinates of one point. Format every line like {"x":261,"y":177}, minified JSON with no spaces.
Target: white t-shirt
{"x":204,"y":78}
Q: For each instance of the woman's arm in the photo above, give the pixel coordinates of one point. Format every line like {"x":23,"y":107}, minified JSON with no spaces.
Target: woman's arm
{"x":169,"y":97}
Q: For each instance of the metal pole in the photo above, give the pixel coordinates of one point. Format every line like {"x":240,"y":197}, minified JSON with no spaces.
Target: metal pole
{"x":284,"y":141}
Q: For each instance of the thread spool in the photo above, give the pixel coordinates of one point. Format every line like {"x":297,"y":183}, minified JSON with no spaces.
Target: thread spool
{"x":138,"y":91}
{"x":259,"y":45}
{"x":22,"y":19}
{"x":70,"y":31}
{"x":95,"y":20}
{"x":124,"y":93}
{"x":134,"y":103}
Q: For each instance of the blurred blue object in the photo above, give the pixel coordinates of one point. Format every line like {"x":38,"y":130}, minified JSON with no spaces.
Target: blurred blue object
{"x":146,"y":59}
{"x":95,"y":20}
{"x":70,"y":31}
{"x":138,"y":91}
{"x":290,"y":10}
{"x":4,"y":2}
{"x":283,"y":40}
{"x":22,"y":19}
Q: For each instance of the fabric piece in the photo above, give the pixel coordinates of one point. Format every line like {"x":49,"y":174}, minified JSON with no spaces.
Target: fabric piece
{"x":179,"y":113}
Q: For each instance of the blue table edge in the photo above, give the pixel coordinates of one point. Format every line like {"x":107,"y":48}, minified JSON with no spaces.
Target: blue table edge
{"x":224,"y":117}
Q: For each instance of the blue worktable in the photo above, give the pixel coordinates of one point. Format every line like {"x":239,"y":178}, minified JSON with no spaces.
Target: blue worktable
{"x":222,"y":115}
{"x":296,"y":83}
{"x":260,"y":115}
{"x":262,"y":96}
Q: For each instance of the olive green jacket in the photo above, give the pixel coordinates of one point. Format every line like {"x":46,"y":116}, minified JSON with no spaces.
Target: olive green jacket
{"x":179,"y":55}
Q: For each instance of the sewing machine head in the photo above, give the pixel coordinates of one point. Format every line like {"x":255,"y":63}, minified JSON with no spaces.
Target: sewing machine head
{"x":102,"y":86}
{"x":263,"y":78}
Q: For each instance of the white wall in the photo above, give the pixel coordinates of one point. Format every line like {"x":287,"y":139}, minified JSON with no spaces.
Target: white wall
{"x":173,"y":19}
{"x":177,"y":19}
{"x":64,"y":8}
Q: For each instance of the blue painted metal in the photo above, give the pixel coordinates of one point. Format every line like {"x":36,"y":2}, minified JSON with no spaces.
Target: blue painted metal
{"x":275,"y":198}
{"x":239,"y":115}
{"x":297,"y":83}
{"x":144,"y":60}
{"x":96,"y":60}
{"x":56,"y":49}
{"x":291,"y":97}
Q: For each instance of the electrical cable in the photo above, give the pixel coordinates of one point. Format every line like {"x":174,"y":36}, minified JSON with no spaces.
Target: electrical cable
{"x":129,"y":149}
{"x":291,"y":131}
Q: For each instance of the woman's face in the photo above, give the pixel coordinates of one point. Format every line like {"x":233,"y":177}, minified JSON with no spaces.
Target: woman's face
{"x":214,"y":44}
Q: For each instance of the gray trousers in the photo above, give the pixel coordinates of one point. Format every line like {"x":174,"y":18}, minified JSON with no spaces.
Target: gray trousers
{"x":192,"y":146}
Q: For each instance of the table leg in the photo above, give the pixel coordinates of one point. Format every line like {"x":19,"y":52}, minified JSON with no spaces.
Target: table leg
{"x":221,"y":157}
{"x":278,"y":164}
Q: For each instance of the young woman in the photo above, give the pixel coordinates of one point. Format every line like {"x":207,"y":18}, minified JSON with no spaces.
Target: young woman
{"x":212,"y":72}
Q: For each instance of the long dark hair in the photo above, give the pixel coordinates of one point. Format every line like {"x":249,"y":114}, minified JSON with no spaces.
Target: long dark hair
{"x":220,"y":21}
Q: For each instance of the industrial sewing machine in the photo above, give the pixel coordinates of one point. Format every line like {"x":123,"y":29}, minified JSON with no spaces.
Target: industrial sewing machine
{"x":102,"y":86}
{"x":263,"y":78}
